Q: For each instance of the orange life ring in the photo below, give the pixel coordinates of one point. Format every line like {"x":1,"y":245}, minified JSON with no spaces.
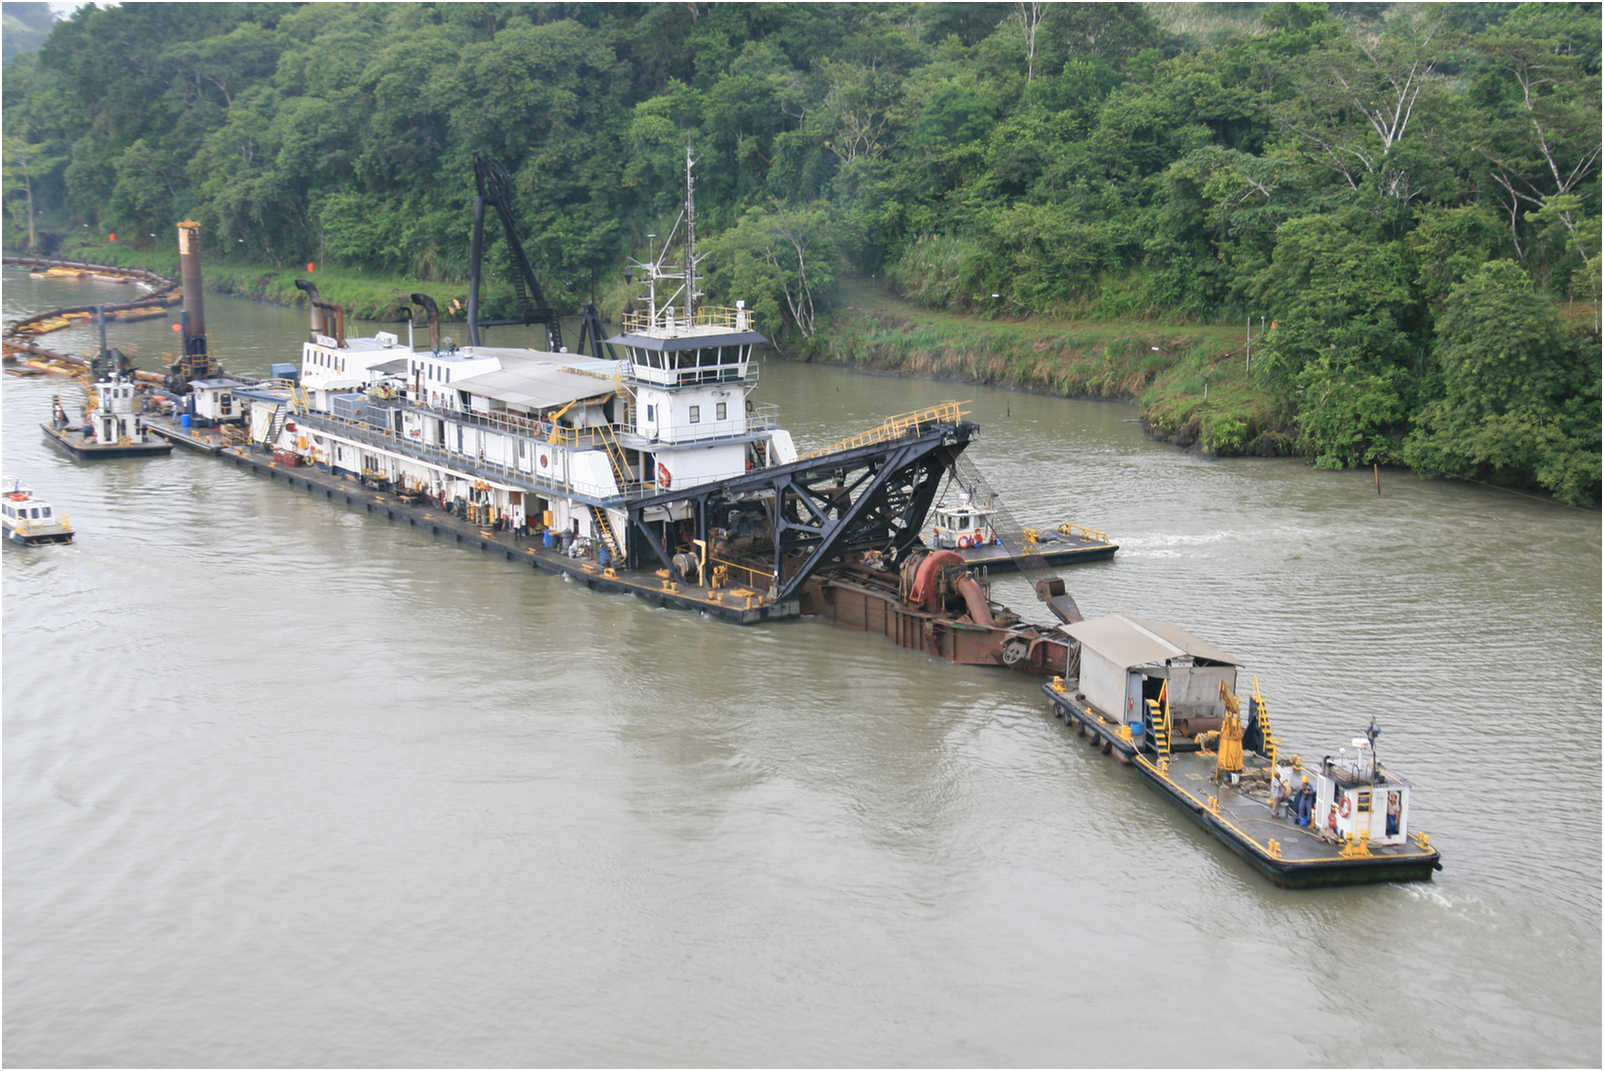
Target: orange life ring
{"x":663,"y":479}
{"x":963,"y":542}
{"x":1347,"y":806}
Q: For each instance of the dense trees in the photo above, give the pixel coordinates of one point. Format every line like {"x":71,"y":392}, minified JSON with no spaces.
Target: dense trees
{"x":1407,"y":191}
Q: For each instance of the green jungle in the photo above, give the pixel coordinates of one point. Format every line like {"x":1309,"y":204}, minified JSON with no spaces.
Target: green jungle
{"x":1354,"y":233}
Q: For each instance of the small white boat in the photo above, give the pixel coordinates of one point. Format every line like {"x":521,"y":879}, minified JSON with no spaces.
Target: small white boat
{"x":962,"y":524}
{"x":28,"y":520}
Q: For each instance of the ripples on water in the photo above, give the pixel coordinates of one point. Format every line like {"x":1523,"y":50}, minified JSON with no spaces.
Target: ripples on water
{"x":287,"y":784}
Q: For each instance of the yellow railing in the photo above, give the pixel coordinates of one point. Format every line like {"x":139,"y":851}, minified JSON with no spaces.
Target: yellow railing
{"x":756,"y":578}
{"x":893,"y":428}
{"x":606,"y":529}
{"x":61,"y":524}
{"x":615,"y":454}
{"x":1082,"y":532}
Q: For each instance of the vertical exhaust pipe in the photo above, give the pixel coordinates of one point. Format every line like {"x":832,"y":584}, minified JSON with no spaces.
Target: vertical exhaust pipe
{"x":326,"y":318}
{"x":194,"y":307}
{"x":426,"y":303}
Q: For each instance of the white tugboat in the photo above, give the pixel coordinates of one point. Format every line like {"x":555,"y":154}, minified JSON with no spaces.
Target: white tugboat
{"x":29,"y":520}
{"x":114,"y":423}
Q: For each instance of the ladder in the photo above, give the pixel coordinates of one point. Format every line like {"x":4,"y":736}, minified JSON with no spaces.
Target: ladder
{"x":1159,"y":728}
{"x":615,"y":454}
{"x":599,"y":518}
{"x":1261,"y":711}
{"x":275,"y":425}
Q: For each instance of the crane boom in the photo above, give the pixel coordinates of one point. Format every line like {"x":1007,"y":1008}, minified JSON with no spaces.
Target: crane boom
{"x":533,"y":308}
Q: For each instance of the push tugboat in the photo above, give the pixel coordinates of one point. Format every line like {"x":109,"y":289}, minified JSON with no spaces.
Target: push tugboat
{"x":30,"y":521}
{"x":114,"y":425}
{"x":1160,"y":699}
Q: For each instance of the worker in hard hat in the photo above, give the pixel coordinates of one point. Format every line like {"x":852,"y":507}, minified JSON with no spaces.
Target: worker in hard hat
{"x":1304,"y":802}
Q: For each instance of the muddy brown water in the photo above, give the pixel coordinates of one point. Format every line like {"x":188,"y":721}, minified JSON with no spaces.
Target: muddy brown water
{"x":285,"y":784}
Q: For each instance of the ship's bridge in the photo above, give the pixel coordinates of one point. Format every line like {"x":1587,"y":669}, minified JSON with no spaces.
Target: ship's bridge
{"x":672,"y":349}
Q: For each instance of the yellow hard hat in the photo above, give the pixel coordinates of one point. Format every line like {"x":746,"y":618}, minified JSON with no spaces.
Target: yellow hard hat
{"x":1305,"y":778}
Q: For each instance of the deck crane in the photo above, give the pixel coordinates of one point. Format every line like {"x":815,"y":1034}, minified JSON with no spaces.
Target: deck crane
{"x":533,"y":308}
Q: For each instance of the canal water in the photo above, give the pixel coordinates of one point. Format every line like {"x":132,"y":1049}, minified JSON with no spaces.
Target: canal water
{"x":289,"y":785}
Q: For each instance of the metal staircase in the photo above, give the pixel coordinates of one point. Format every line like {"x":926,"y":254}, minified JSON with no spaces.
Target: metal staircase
{"x":275,"y":426}
{"x":598,"y":517}
{"x":615,"y":454}
{"x":1259,"y":712}
{"x":1158,"y":728}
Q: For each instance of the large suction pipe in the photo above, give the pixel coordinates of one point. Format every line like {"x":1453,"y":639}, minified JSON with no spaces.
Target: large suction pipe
{"x":975,"y":599}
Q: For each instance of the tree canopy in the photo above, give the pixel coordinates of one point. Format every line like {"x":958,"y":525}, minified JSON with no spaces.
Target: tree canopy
{"x":1394,"y":185}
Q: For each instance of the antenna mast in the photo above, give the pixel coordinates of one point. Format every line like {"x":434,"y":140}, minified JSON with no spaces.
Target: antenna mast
{"x":690,"y":236}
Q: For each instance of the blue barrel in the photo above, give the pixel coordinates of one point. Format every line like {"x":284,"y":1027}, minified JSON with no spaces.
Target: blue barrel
{"x":551,"y":541}
{"x":604,"y":557}
{"x":184,"y":420}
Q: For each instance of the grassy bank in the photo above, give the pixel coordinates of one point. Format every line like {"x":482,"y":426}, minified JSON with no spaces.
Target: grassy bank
{"x":1191,"y":382}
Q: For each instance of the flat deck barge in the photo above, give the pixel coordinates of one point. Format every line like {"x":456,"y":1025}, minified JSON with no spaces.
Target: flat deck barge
{"x":1158,"y":699}
{"x":1075,"y":548}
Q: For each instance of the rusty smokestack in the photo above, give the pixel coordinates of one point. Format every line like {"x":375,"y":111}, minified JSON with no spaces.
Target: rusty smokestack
{"x":194,"y":306}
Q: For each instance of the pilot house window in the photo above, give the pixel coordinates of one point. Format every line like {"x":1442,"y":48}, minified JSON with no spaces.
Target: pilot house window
{"x":696,"y":414}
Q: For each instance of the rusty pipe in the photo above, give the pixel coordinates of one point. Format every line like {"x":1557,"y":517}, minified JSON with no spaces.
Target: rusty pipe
{"x":979,"y":612}
{"x":426,"y":303}
{"x":190,"y":271}
{"x":323,"y":312}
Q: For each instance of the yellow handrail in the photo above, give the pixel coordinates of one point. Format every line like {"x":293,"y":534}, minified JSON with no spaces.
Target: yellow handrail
{"x":895,"y":427}
{"x":1083,"y":532}
{"x":758,"y":578}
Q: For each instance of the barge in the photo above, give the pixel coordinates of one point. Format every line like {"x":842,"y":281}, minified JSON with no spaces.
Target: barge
{"x":1164,"y":702}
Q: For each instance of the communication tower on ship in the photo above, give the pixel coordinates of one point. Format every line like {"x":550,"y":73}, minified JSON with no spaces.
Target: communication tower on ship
{"x":689,"y":368}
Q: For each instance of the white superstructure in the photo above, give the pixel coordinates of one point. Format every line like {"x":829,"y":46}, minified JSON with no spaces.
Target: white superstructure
{"x":555,"y":444}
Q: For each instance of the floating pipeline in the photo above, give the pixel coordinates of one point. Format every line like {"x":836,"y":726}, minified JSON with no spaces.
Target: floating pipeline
{"x":164,"y":292}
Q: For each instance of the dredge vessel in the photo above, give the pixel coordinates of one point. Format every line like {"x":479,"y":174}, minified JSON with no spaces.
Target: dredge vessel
{"x":655,"y":472}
